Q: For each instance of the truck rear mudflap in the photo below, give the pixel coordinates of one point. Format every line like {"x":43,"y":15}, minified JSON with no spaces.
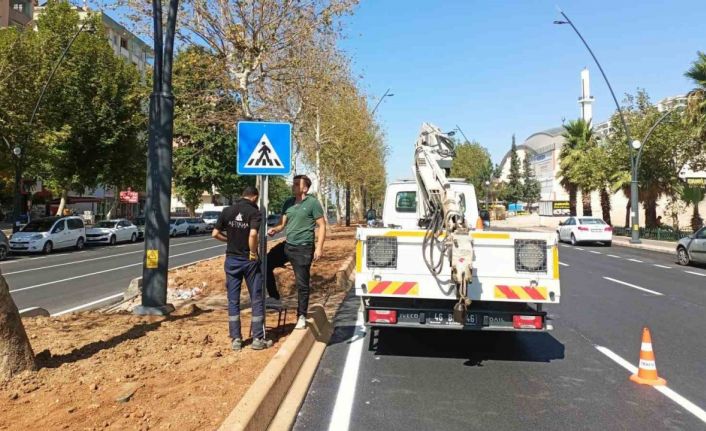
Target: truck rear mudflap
{"x":481,"y":316}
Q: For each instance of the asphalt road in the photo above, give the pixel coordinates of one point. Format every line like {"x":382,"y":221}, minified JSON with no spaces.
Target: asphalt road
{"x":571,"y":378}
{"x":76,"y":280}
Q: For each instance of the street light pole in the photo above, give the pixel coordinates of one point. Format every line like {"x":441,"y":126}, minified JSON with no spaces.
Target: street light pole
{"x":635,"y":239}
{"x":159,"y":169}
{"x":348,"y":184}
{"x":17,"y":151}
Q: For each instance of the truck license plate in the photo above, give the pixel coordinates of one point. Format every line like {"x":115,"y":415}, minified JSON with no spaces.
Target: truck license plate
{"x":446,"y":318}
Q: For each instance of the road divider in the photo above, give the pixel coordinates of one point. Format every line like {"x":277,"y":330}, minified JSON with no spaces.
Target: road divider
{"x":633,"y":286}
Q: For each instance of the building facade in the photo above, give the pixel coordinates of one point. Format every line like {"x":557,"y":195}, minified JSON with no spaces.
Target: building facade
{"x":16,"y":12}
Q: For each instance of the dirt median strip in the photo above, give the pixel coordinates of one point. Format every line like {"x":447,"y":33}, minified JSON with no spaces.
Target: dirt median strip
{"x":281,"y":381}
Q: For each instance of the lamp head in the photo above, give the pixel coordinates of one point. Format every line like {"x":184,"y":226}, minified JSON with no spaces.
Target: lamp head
{"x":17,"y":151}
{"x":636,"y":144}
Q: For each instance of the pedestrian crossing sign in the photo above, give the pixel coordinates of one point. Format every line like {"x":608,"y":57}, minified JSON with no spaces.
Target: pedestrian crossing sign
{"x":264,"y":148}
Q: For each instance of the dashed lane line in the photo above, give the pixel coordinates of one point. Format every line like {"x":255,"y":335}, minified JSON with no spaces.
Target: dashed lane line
{"x":564,"y":264}
{"x":696,"y":273}
{"x":661,"y":266}
{"x":594,"y":252}
{"x":614,"y":256}
{"x":664,"y":390}
{"x":104,"y":271}
{"x":636,"y":260}
{"x":579,"y":248}
{"x":634,"y":287}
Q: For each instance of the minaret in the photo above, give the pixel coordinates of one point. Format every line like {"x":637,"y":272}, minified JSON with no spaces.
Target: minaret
{"x":586,"y":100}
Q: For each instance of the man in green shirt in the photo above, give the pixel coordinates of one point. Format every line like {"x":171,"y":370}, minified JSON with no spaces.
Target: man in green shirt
{"x":302,"y":215}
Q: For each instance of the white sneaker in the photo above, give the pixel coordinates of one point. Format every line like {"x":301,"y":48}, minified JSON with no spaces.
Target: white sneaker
{"x":301,"y":323}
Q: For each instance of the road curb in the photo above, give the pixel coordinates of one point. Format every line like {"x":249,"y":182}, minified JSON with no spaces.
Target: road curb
{"x":34,"y":312}
{"x":344,"y":272}
{"x":274,"y":398}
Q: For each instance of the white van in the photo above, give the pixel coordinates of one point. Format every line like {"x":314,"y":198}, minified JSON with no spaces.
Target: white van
{"x":44,"y":235}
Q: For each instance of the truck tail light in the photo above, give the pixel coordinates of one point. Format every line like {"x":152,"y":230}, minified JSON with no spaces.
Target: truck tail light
{"x":609,"y":229}
{"x":583,"y":228}
{"x":527,"y":322}
{"x":382,"y":316}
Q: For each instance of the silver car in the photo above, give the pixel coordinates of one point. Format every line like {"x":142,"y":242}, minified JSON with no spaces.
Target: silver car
{"x":692,"y":248}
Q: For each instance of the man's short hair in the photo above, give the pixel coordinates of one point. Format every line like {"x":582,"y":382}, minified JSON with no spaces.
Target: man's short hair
{"x":306,"y":179}
{"x":250,"y":191}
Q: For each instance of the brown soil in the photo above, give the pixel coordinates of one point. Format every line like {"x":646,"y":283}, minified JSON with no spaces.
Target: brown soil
{"x":175,"y":373}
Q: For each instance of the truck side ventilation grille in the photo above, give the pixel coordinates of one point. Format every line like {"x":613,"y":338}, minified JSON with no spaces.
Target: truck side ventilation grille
{"x":381,"y":252}
{"x":530,"y":255}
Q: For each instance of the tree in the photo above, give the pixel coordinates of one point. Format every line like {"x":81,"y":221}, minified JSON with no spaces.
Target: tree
{"x":15,"y":351}
{"x":514,"y":190}
{"x":472,"y":163}
{"x":693,"y":196}
{"x":578,"y":136}
{"x":696,"y":99}
{"x":531,"y":187}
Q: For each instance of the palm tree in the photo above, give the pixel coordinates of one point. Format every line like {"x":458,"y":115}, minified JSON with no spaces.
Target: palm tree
{"x":693,"y":196}
{"x":696,"y":108}
{"x":578,"y":136}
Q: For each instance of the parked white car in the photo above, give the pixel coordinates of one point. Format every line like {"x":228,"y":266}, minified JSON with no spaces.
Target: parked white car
{"x":692,"y":248}
{"x":197,"y":225}
{"x":45,"y":235}
{"x":179,"y":226}
{"x":112,"y":232}
{"x":210,"y":218}
{"x":585,"y":229}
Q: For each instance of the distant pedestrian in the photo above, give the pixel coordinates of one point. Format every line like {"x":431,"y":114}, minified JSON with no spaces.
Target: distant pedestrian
{"x":302,"y":216}
{"x":370,"y":217}
{"x":238,"y":226}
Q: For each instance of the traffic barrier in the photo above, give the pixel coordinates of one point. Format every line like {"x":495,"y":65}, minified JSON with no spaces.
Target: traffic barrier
{"x":647,"y":370}
{"x":479,"y":224}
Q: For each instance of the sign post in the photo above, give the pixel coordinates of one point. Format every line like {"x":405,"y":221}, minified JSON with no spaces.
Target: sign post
{"x":264,"y":149}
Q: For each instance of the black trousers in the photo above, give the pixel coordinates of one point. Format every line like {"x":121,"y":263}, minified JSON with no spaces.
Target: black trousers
{"x":301,"y":257}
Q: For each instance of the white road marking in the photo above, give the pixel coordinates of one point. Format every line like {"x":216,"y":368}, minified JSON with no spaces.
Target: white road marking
{"x":341,"y":416}
{"x":695,"y":273}
{"x":7,"y":262}
{"x":579,"y":248}
{"x":614,"y":256}
{"x":93,"y":259}
{"x":662,"y":266}
{"x":635,"y":260}
{"x":633,"y":286}
{"x":564,"y":245}
{"x":665,"y":390}
{"x":105,"y":270}
{"x":594,"y":252}
{"x":563,"y":264}
{"x":98,"y":301}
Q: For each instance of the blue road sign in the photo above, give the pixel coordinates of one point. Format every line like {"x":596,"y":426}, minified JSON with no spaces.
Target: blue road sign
{"x":264,"y":148}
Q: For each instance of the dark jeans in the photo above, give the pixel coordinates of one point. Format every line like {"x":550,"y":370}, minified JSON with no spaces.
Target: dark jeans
{"x":236,"y":269}
{"x":300,"y":256}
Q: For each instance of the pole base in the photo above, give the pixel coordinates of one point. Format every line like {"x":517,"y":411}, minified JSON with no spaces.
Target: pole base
{"x":162,"y":310}
{"x":635,"y":241}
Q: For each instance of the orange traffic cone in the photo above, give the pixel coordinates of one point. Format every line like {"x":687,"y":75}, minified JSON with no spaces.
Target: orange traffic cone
{"x":479,"y":224}
{"x":647,"y":371}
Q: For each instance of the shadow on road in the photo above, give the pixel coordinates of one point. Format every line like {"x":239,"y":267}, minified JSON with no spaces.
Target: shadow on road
{"x":476,"y":347}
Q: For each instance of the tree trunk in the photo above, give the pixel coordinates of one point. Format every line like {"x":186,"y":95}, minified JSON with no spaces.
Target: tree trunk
{"x":16,"y":353}
{"x":605,"y":206}
{"x":339,"y":213}
{"x":627,"y":214}
{"x":114,"y":205}
{"x":586,"y":202}
{"x":62,"y":202}
{"x":696,"y":221}
{"x":572,"y":201}
{"x":651,"y":213}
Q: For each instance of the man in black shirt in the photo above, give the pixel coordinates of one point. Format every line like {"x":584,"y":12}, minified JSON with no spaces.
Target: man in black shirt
{"x":238,"y":225}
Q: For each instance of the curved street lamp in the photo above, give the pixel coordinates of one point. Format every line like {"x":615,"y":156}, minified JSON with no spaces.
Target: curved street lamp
{"x":635,"y":238}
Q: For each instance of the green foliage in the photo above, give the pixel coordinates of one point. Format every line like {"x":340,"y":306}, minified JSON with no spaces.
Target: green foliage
{"x":532,"y":188}
{"x":514,"y":191}
{"x":696,"y":108}
{"x":575,"y":169}
{"x":472,"y":163}
{"x":279,"y":192}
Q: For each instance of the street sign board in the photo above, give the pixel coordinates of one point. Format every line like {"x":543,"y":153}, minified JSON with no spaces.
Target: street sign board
{"x":264,"y":148}
{"x":129,"y":197}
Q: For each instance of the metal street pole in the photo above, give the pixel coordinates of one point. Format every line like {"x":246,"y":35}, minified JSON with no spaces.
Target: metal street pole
{"x":635,"y":239}
{"x":159,"y":169}
{"x":17,"y":151}
{"x":264,"y":201}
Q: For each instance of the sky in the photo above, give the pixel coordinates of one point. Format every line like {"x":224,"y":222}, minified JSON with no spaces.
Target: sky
{"x":500,"y":67}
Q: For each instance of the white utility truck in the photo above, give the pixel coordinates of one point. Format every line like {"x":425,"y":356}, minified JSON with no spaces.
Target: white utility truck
{"x":430,"y":266}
